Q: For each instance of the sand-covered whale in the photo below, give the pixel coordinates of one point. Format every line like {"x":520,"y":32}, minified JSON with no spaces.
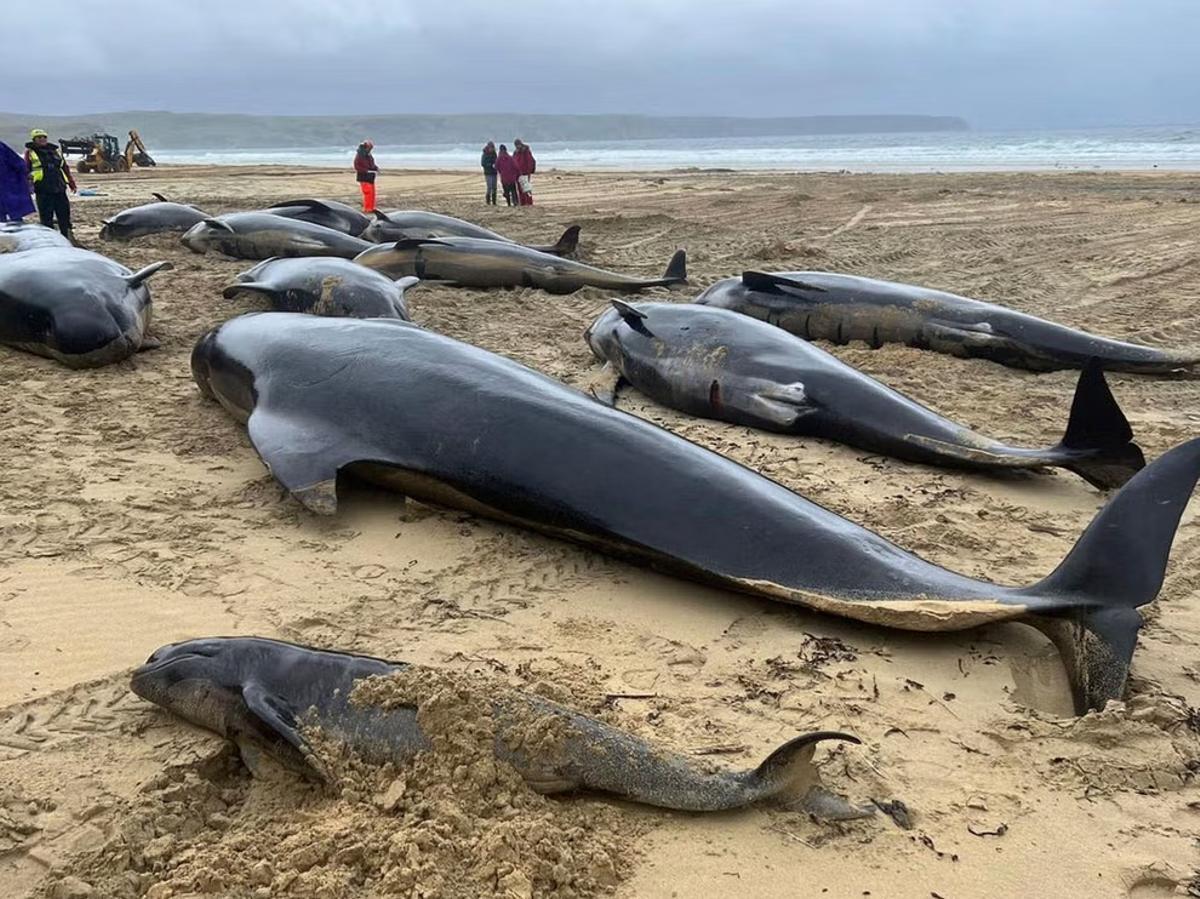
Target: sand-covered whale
{"x":267,"y":696}
{"x":841,"y":308}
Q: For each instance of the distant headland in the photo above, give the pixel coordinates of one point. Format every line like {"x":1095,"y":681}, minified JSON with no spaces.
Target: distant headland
{"x":218,"y":131}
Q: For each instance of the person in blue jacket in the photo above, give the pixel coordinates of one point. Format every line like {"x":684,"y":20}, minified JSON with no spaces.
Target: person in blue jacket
{"x":15,"y":203}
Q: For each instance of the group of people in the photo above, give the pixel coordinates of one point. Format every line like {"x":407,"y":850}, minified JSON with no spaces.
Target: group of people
{"x":514,"y":171}
{"x":42,"y":172}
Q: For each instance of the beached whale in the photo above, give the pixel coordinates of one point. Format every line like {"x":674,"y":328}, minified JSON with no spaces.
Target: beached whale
{"x":841,"y":308}
{"x":329,"y":213}
{"x":75,"y":306}
{"x":405,"y":224}
{"x":715,"y":363}
{"x":265,"y":694}
{"x":19,"y":237}
{"x":470,"y":262}
{"x":322,"y":285}
{"x":260,"y":235}
{"x":151,"y":218}
{"x":452,"y":424}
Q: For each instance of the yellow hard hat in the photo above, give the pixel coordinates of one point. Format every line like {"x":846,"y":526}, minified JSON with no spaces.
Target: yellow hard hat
{"x":36,"y":133}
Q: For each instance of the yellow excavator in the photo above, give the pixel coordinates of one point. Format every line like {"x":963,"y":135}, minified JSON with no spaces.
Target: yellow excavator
{"x":102,"y":153}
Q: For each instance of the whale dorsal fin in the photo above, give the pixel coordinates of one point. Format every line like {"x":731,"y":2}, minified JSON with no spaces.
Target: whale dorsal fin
{"x":765,"y":282}
{"x":160,"y":198}
{"x":307,"y":201}
{"x":220,"y":225}
{"x":409,"y":243}
{"x":380,"y":215}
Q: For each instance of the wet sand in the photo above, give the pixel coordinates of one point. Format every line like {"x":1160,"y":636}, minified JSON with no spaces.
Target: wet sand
{"x":134,"y":512}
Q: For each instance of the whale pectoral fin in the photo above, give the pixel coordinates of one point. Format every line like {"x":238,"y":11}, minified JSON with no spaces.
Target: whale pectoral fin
{"x":306,"y":243}
{"x":782,"y":404}
{"x":300,"y":460}
{"x":141,"y":275}
{"x":274,"y":717}
{"x":603,"y":385}
{"x":969,"y":334}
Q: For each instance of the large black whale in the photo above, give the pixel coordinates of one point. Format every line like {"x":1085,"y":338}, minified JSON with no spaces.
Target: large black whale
{"x":453,"y":424}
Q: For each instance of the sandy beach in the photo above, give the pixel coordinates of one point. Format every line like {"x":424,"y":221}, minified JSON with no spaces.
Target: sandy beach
{"x":134,"y":512}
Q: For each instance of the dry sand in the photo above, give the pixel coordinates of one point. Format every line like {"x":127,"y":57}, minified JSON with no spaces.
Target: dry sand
{"x":134,"y":512}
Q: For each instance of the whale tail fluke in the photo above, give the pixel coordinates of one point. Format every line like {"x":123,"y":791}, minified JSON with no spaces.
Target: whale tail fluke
{"x":1098,"y":444}
{"x":789,"y":767}
{"x":1088,"y":605}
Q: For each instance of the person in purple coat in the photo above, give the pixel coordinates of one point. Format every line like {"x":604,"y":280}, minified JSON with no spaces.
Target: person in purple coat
{"x":15,"y":203}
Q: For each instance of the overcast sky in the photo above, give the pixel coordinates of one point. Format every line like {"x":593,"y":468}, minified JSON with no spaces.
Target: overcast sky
{"x":998,"y":63}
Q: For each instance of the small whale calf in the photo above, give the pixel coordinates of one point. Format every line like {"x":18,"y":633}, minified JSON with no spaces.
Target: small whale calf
{"x":264,"y":694}
{"x":841,"y":308}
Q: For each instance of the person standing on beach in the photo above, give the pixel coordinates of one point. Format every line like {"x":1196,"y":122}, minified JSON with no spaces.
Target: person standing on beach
{"x":526,"y":166}
{"x":506,"y":166}
{"x":14,"y":185}
{"x":488,"y":161}
{"x":364,"y":173}
{"x":50,"y":177}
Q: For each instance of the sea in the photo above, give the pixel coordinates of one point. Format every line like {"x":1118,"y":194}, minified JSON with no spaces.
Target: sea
{"x":1127,"y":149}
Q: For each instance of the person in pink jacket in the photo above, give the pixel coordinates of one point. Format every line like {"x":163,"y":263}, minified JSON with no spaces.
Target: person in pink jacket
{"x":526,"y":166}
{"x":506,"y":168}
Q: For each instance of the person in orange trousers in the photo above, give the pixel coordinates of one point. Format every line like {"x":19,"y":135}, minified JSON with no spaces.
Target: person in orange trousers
{"x":365,"y":170}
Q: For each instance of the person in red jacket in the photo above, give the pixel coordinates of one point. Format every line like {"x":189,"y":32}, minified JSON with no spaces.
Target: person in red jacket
{"x":364,"y":173}
{"x":506,"y":168}
{"x":526,"y":166}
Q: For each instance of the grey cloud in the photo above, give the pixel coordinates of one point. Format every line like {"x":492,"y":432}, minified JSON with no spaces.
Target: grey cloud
{"x":1016,"y":63}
